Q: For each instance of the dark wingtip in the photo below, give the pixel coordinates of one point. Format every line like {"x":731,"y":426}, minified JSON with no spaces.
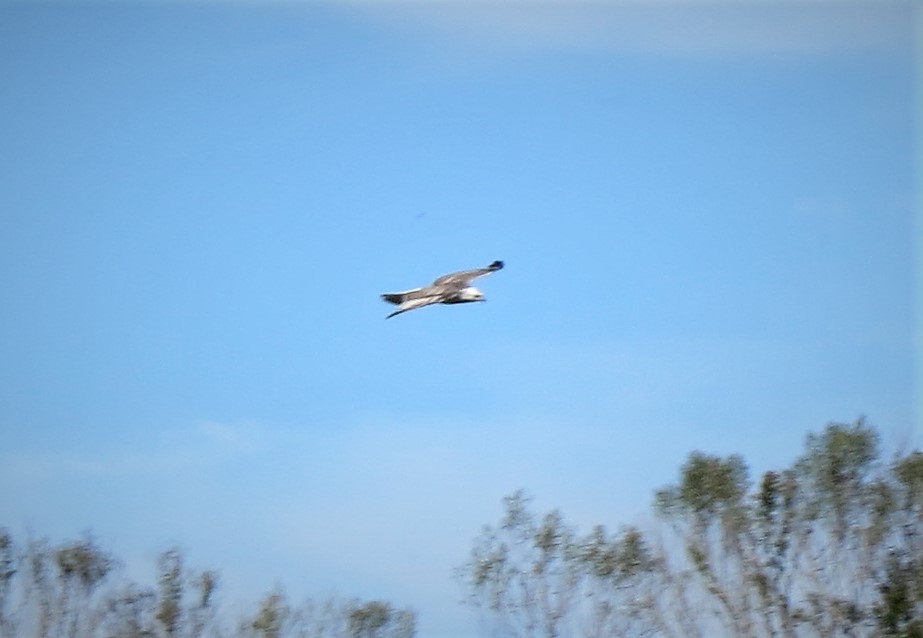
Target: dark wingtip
{"x":497,"y":265}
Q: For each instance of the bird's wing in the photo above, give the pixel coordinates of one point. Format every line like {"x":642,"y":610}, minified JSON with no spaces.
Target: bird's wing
{"x":462,"y":278}
{"x":418,"y":302}
{"x":400,"y":297}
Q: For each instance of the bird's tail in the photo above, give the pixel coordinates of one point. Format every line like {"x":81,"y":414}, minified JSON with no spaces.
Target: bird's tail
{"x":394,"y":297}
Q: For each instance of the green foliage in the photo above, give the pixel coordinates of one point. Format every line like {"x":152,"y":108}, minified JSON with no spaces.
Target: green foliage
{"x":899,"y":609}
{"x":710,"y":484}
{"x":367,"y":620}
{"x":840,"y":456}
{"x":271,"y":617}
{"x":909,"y":473}
{"x":73,"y":591}
{"x":377,"y":619}
{"x":835,"y":470}
{"x":84,"y":562}
{"x":543,"y":579}
{"x":831,"y":546}
{"x":171,"y":591}
{"x":616,"y":559}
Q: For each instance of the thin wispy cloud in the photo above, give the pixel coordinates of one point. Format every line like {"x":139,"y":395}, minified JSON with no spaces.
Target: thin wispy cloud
{"x":671,"y":28}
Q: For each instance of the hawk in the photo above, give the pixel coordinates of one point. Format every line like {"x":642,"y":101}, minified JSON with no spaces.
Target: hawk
{"x":448,"y":289}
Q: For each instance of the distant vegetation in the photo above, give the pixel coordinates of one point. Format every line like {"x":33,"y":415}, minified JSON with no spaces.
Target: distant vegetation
{"x":831,"y":546}
{"x":71,"y":591}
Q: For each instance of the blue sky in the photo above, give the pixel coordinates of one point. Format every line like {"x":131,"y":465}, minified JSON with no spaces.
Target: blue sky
{"x":706,"y":212}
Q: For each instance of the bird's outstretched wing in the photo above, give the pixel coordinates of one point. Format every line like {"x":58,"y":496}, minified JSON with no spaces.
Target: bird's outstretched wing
{"x":447,"y":289}
{"x":417,"y":302}
{"x":461,"y":279}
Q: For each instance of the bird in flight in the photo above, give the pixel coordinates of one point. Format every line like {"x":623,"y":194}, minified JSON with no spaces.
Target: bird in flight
{"x":453,"y":288}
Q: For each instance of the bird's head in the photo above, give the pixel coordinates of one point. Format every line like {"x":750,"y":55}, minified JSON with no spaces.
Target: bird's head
{"x":471,"y":294}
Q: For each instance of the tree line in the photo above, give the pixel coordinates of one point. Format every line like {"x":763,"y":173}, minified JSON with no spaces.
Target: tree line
{"x":73,"y":590}
{"x":829,"y":546}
